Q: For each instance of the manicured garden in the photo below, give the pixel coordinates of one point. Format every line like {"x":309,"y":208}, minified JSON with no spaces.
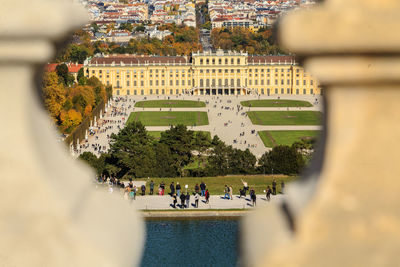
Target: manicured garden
{"x":216,"y":184}
{"x":275,"y":103}
{"x":166,"y":118}
{"x":275,"y":138}
{"x":170,"y":104}
{"x":285,"y":117}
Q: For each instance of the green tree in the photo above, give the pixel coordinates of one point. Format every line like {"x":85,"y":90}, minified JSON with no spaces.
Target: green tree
{"x":283,"y":160}
{"x":132,"y":151}
{"x":179,"y":140}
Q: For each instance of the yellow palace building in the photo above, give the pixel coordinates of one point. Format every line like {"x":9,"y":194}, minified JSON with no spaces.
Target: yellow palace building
{"x":204,"y":73}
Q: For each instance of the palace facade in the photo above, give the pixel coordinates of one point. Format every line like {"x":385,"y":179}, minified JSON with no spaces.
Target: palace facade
{"x":204,"y":73}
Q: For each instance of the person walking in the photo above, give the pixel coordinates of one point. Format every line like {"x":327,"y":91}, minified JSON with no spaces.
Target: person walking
{"x":162,"y":185}
{"x":131,"y":194}
{"x":268,"y":193}
{"x":172,"y":188}
{"x":174,"y":201}
{"x":253,"y":197}
{"x":274,"y":187}
{"x":230,"y":192}
{"x":226,"y":190}
{"x":187,"y":200}
{"x":178,"y":189}
{"x":151,"y":187}
{"x":143,"y":188}
{"x":282,"y":187}
{"x":207,"y":195}
{"x":183,"y":198}
{"x":203,"y":188}
{"x":196,"y":200}
{"x":197,"y":188}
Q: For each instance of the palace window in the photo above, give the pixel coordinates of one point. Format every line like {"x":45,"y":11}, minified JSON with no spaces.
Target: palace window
{"x":304,"y":91}
{"x":134,"y":83}
{"x":226,"y":61}
{"x":282,"y":82}
{"x":213,"y":71}
{"x":156,"y":82}
{"x":276,"y":90}
{"x":288,"y":82}
{"x":219,"y":70}
{"x":226,"y":82}
{"x":156,"y":91}
{"x":219,"y":82}
{"x":255,"y":82}
{"x":232,"y":82}
{"x":201,"y":83}
{"x":282,"y":91}
{"x":213,"y":82}
{"x":232,"y":70}
{"x":151,"y":91}
{"x":238,"y":61}
{"x":232,"y":62}
{"x":213,"y":61}
{"x":208,"y":61}
{"x":268,"y":82}
{"x":188,"y":82}
{"x":226,"y":70}
{"x":276,"y":82}
{"x":219,"y":61}
{"x":312,"y":82}
{"x":238,"y":70}
{"x":162,"y":82}
{"x":304,"y":82}
{"x":262,"y":82}
{"x":297,"y":91}
{"x":207,"y":71}
{"x":135,"y":92}
{"x":127,"y":83}
{"x":142,"y":92}
{"x":287,"y":90}
{"x":183,"y":82}
{"x":141,"y":83}
{"x":297,"y":82}
{"x":151,"y":83}
{"x":238,"y":82}
{"x":201,"y":63}
{"x":311,"y":91}
{"x":201,"y":71}
{"x":177,"y":82}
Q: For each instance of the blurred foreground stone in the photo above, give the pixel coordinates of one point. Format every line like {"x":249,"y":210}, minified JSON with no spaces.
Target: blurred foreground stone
{"x":347,"y":214}
{"x":50,"y":212}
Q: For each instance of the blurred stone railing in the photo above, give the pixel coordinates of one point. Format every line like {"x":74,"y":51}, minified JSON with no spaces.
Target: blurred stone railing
{"x":346,"y":211}
{"x":50,"y":212}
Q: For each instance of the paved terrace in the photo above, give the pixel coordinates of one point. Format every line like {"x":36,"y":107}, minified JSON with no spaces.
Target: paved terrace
{"x":236,"y":122}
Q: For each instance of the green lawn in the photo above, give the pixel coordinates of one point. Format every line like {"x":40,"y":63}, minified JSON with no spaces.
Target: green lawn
{"x":166,"y":118}
{"x":216,"y":184}
{"x":170,"y":104}
{"x":276,"y":103}
{"x":285,"y":117}
{"x":157,"y":134}
{"x":274,"y":138}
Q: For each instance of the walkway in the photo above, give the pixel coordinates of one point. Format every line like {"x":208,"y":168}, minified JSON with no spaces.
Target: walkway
{"x":224,"y":119}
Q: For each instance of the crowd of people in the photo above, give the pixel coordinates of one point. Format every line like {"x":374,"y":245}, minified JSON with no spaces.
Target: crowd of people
{"x":183,"y":195}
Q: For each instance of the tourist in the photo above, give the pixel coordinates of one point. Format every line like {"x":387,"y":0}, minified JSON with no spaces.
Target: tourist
{"x":207,"y":195}
{"x":134,"y":192}
{"x":197,"y":188}
{"x":226,"y":190}
{"x":172,"y":188}
{"x":162,"y":185}
{"x":143,"y":187}
{"x":203,"y":188}
{"x":187,"y":200}
{"x":274,"y":187}
{"x":174,"y":201}
{"x":268,"y":193}
{"x":178,"y":189}
{"x":151,"y":187}
{"x":253,"y":196}
{"x":196,"y":199}
{"x":282,"y":186}
{"x":183,"y":198}
{"x":131,"y":194}
{"x":230,"y":192}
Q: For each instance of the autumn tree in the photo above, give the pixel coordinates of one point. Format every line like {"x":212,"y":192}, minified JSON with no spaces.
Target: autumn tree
{"x":53,"y":95}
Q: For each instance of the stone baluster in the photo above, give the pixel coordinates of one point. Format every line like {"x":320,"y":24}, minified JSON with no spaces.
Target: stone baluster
{"x":50,"y":213}
{"x":344,"y":212}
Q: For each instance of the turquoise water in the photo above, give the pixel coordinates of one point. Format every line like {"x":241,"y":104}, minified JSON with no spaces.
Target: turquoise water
{"x":191,"y":243}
